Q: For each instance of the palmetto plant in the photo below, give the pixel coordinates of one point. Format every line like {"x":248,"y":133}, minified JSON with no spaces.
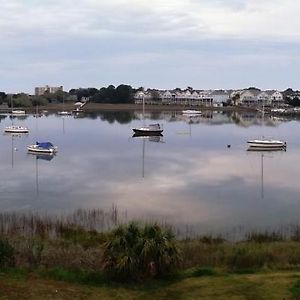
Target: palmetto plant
{"x":136,"y":253}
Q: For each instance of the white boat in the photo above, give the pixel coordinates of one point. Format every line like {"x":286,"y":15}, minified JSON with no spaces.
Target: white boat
{"x":64,"y":113}
{"x":151,"y":129}
{"x":191,"y":112}
{"x":16,"y":129}
{"x":265,"y":144}
{"x":18,"y":113}
{"x":44,"y":147}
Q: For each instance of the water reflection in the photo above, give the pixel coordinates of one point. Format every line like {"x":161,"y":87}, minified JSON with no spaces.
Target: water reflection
{"x":240,"y":118}
{"x":40,"y":156}
{"x":193,"y":179}
{"x":158,"y":138}
{"x":264,"y":154}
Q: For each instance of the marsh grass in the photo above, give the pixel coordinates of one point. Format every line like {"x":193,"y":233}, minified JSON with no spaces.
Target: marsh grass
{"x":77,"y":242}
{"x":43,"y":225}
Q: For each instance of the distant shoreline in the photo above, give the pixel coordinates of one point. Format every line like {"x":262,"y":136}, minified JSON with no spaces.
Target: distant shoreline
{"x":95,"y":107}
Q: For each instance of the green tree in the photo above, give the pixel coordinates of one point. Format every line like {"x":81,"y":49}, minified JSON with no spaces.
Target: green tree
{"x":295,"y":101}
{"x":137,"y":253}
{"x":21,"y":100}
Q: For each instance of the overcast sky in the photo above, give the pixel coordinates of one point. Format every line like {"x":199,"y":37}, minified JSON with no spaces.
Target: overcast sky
{"x":163,"y":44}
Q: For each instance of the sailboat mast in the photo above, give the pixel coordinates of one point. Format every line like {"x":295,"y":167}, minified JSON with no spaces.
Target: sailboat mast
{"x":12,"y":109}
{"x":263,"y":117}
{"x":143,"y":169}
{"x":143,"y":110}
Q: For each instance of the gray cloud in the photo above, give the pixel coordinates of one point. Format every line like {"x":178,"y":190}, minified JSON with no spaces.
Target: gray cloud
{"x":207,"y":44}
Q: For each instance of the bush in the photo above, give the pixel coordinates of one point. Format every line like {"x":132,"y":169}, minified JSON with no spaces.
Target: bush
{"x":137,"y":253}
{"x":6,"y":254}
{"x":251,"y":257}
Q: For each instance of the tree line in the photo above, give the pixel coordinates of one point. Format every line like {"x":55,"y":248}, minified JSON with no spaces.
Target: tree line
{"x":111,"y":94}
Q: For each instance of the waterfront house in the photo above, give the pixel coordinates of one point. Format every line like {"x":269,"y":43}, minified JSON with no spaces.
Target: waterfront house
{"x":219,"y":97}
{"x":249,"y":97}
{"x":276,"y":98}
{"x":263,"y":98}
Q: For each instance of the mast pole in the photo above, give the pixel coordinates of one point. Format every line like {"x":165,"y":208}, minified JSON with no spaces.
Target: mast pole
{"x":143,"y":110}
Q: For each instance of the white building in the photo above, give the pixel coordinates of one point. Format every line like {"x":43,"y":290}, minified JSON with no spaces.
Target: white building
{"x":254,"y":97}
{"x":39,"y":91}
{"x":219,"y":97}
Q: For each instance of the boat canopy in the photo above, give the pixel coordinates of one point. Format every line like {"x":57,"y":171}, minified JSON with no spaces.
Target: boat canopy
{"x":45,"y":145}
{"x":154,"y":126}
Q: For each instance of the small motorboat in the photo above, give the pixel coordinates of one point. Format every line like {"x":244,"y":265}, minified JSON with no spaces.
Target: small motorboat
{"x":266,"y":144}
{"x":191,"y":112}
{"x":16,"y":129}
{"x":44,"y":147}
{"x":18,"y":113}
{"x":151,"y":129}
{"x":64,"y":113}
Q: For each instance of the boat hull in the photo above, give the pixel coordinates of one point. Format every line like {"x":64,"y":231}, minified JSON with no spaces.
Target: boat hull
{"x":266,"y":144}
{"x":261,"y":148}
{"x":18,"y":113}
{"x":36,"y":149}
{"x":16,"y":130}
{"x":191,"y":112}
{"x":138,"y":131}
{"x":64,"y":113}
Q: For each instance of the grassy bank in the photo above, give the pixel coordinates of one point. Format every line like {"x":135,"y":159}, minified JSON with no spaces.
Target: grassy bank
{"x":66,"y":258}
{"x":275,"y":285}
{"x":77,"y":241}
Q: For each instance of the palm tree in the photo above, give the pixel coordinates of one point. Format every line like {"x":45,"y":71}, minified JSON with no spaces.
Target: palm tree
{"x":136,"y":253}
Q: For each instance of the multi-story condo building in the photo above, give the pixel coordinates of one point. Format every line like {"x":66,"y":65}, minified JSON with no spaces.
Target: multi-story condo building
{"x":49,"y":89}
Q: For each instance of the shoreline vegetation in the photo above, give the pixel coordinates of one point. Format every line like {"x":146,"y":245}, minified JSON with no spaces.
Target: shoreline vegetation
{"x":93,"y":252}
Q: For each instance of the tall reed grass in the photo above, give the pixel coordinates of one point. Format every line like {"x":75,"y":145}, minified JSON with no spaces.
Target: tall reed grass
{"x":77,"y":240}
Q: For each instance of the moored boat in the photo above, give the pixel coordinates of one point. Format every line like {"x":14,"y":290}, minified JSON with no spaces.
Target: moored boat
{"x":16,"y":129}
{"x":191,"y":112}
{"x":151,"y":129}
{"x":44,"y":147}
{"x":18,"y":113}
{"x":64,"y":113}
{"x":266,"y":144}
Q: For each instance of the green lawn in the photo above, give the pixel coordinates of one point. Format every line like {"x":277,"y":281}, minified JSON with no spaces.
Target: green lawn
{"x":275,"y":285}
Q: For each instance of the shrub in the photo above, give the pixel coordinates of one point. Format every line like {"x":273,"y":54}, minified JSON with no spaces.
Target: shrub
{"x":250,"y":257}
{"x":6,"y":254}
{"x":266,"y":237}
{"x":199,"y":272}
{"x":136,"y":253}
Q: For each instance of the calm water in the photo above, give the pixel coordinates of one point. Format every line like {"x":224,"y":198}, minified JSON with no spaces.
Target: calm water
{"x":187,"y":177}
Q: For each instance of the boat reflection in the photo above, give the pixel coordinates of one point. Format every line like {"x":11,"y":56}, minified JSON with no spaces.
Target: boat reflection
{"x":43,"y":156}
{"x":39,"y":156}
{"x":14,"y":136}
{"x":264,"y":153}
{"x":150,"y":138}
